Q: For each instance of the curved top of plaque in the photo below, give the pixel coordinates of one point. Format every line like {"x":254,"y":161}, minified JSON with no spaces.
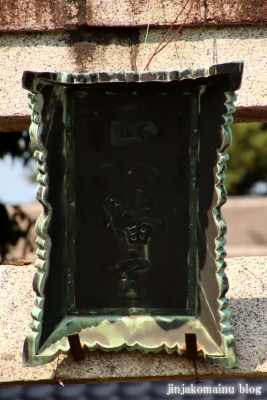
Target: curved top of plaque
{"x":234,"y":70}
{"x":131,"y":237}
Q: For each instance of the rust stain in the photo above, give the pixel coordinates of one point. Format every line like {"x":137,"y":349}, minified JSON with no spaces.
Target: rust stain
{"x":84,"y":54}
{"x":84,"y":42}
{"x":238,"y":12}
{"x":20,"y":262}
{"x":199,"y":347}
{"x":38,"y":15}
{"x":84,"y":14}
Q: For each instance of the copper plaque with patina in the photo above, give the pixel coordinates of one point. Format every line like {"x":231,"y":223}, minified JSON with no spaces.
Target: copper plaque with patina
{"x":131,"y":170}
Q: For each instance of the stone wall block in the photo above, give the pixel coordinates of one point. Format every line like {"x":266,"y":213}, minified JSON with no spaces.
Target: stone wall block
{"x":45,"y":15}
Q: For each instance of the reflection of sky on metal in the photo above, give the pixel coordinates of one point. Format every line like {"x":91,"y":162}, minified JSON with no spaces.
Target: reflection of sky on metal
{"x":15,"y":185}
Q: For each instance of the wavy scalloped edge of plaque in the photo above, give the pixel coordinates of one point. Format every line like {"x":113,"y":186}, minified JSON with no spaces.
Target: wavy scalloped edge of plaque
{"x":57,"y":342}
{"x":89,"y":330}
{"x":41,"y":227}
{"x":233,"y":68}
{"x":220,"y":241}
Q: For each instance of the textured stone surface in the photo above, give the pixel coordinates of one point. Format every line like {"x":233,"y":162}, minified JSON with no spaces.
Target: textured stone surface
{"x":75,"y":52}
{"x":200,"y":47}
{"x":118,"y":49}
{"x":247,"y":294}
{"x":62,"y":14}
{"x":235,"y":12}
{"x":246,"y":225}
{"x":16,"y":301}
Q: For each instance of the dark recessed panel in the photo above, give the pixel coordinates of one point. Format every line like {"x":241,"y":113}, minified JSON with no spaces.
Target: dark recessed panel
{"x":132,"y":190}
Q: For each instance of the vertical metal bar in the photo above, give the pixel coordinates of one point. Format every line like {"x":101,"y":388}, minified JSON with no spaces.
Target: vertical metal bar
{"x":75,"y":347}
{"x":191,"y":346}
{"x":193,"y":204}
{"x":70,"y":198}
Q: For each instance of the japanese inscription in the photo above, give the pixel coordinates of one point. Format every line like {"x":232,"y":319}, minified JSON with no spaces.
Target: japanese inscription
{"x":131,"y":237}
{"x":132,"y":221}
{"x":135,"y":197}
{"x":136,"y":133}
{"x":128,"y":268}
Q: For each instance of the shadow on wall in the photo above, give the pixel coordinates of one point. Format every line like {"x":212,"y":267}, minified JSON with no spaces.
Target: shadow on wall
{"x":17,"y":235}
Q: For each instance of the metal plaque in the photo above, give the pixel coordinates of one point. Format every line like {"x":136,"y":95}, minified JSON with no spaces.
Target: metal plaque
{"x":130,"y":240}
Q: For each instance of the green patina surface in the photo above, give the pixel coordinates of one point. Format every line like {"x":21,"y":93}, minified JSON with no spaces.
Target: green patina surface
{"x":67,"y":109}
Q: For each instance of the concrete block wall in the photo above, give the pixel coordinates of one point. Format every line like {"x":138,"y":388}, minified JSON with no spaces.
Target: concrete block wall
{"x":95,"y":35}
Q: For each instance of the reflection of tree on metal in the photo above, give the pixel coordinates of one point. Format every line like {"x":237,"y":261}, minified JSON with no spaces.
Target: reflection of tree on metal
{"x":133,"y":221}
{"x":128,"y":288}
{"x":137,"y":133}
